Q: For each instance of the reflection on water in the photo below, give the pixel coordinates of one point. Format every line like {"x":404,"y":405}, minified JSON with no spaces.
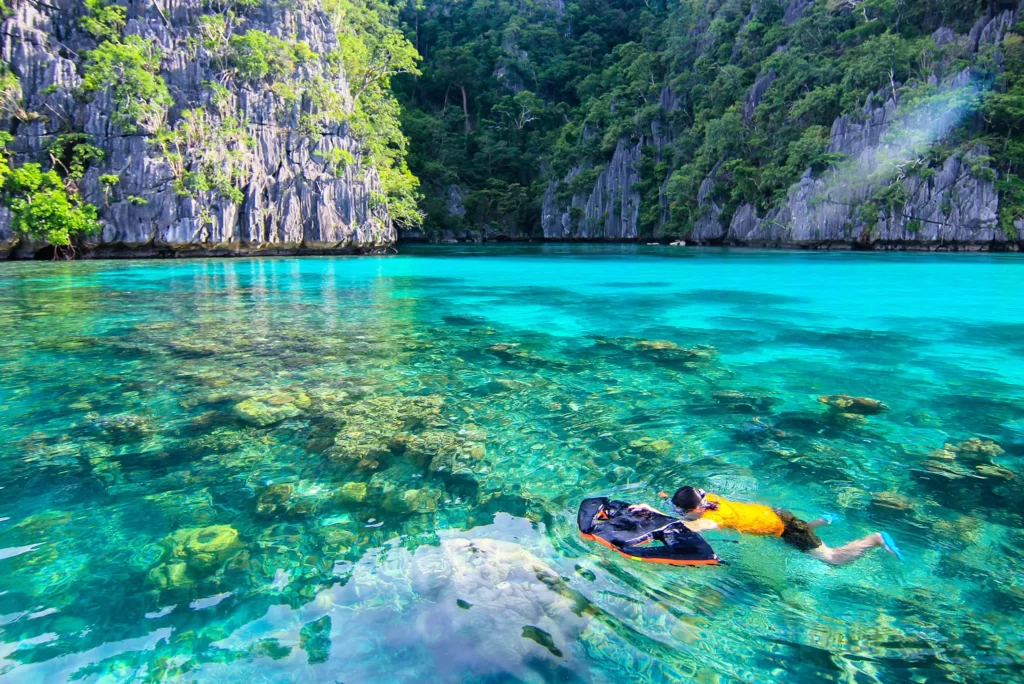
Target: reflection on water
{"x":363,"y":469}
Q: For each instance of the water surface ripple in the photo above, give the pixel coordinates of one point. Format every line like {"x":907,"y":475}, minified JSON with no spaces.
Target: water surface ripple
{"x":367,"y":469}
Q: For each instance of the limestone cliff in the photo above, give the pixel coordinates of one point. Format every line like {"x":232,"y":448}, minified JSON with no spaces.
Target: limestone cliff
{"x":950,"y":203}
{"x":609,"y":211}
{"x":954,"y":204}
{"x":291,"y":190}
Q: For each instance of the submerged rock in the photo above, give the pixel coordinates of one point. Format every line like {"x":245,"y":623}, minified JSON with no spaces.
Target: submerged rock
{"x":513,"y":354}
{"x":844,"y":403}
{"x":127,"y":427}
{"x":41,"y":524}
{"x":337,"y":538}
{"x":423,"y":500}
{"x":995,"y":470}
{"x":374,"y":427}
{"x":352,"y":492}
{"x":652,"y":447}
{"x":848,"y":419}
{"x":194,"y":505}
{"x":273,"y":499}
{"x":743,"y":401}
{"x":315,"y":640}
{"x":970,"y":458}
{"x":973,"y":447}
{"x":663,"y":349}
{"x":273,"y":407}
{"x":538,"y":635}
{"x":892,"y":500}
{"x":224,"y":439}
{"x":444,"y":451}
{"x":191,"y":554}
{"x":656,"y":345}
{"x":200,"y":347}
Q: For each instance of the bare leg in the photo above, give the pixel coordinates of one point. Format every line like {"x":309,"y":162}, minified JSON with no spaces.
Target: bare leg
{"x":849,"y":552}
{"x":818,"y":522}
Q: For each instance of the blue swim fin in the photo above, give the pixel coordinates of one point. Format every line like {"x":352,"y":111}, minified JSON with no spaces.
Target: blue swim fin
{"x":890,"y":545}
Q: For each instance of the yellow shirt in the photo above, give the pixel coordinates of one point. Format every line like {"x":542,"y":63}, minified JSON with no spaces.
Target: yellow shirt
{"x":743,"y":517}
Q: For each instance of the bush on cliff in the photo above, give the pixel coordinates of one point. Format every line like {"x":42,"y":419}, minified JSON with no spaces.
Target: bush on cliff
{"x":129,"y":71}
{"x":40,"y":203}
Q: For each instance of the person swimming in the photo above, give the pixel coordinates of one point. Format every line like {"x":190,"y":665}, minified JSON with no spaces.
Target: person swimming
{"x":701,"y":511}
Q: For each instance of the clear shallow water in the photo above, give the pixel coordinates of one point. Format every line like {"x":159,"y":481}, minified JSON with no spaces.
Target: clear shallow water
{"x":367,"y":469}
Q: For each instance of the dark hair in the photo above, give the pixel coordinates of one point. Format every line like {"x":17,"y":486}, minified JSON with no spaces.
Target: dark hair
{"x":686,"y":498}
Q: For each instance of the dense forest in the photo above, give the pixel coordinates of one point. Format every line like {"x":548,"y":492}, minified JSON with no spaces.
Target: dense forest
{"x":334,"y":124}
{"x":515,"y":95}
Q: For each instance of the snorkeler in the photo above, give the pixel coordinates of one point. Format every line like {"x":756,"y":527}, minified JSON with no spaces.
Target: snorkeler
{"x":701,"y":511}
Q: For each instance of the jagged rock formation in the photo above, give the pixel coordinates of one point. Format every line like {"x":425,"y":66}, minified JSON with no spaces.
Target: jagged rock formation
{"x":610,"y":211}
{"x":756,"y":94}
{"x":952,"y":207}
{"x":293,"y":198}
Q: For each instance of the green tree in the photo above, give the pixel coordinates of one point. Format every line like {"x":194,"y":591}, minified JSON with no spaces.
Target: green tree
{"x":40,"y":203}
{"x":257,"y":55}
{"x":129,"y":71}
{"x":103,"y":20}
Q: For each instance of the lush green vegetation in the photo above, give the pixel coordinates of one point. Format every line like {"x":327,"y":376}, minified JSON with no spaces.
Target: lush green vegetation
{"x":514,"y":93}
{"x":126,"y":67}
{"x":207,"y":153}
{"x":44,"y":205}
{"x":510,"y":95}
{"x":372,"y":50}
{"x":257,"y":55}
{"x":347,"y":88}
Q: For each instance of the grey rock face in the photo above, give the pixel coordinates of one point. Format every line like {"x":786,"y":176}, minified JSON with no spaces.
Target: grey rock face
{"x":708,"y":226}
{"x":668,"y":99}
{"x":453,"y":195}
{"x":795,"y":10}
{"x":852,"y":137}
{"x":756,"y":94}
{"x":609,"y":212}
{"x":943,"y":36}
{"x":951,"y":207}
{"x":990,"y":30}
{"x":954,"y":205}
{"x":294,"y":197}
{"x":8,"y":239}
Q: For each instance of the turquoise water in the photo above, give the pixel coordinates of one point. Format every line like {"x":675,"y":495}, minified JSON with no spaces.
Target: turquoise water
{"x":367,"y":469}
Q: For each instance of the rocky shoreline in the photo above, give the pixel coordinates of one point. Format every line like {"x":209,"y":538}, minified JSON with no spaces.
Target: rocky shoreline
{"x":119,"y":252}
{"x":818,"y":245}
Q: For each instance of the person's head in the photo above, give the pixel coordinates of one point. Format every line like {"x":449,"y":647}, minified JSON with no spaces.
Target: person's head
{"x":690,"y":503}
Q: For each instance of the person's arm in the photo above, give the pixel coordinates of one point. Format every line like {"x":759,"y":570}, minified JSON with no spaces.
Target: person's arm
{"x":644,"y":507}
{"x":701,"y":524}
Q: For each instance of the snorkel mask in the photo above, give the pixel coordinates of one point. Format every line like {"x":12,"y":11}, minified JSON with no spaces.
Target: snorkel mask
{"x":699,"y":509}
